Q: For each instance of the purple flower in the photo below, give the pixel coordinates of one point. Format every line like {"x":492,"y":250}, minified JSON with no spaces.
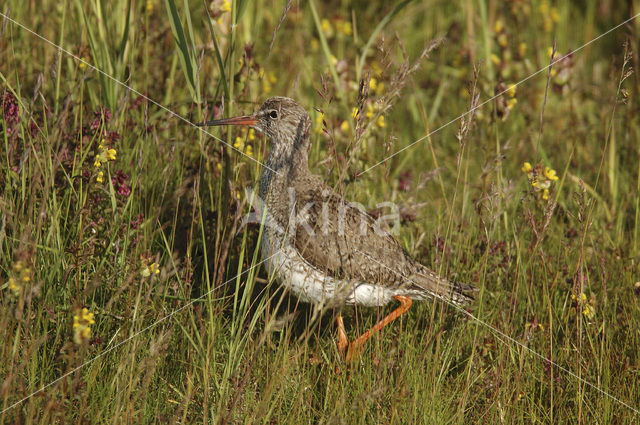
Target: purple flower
{"x":10,"y":108}
{"x":136,"y":222}
{"x":102,"y":114}
{"x":33,"y":129}
{"x":405,"y":181}
{"x":137,"y":102}
{"x":119,"y":181}
{"x":124,"y":190}
{"x":112,"y":136}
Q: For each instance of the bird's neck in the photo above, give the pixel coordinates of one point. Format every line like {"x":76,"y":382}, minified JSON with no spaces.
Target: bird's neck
{"x":286,"y":166}
{"x":286,"y":163}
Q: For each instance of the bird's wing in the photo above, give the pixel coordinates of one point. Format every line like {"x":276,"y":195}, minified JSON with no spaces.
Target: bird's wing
{"x":345,"y":242}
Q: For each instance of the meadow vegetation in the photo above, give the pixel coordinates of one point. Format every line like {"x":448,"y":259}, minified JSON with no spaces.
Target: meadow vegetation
{"x":131,"y":291}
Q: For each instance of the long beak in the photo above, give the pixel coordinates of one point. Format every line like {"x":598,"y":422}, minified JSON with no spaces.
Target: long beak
{"x":243,"y":120}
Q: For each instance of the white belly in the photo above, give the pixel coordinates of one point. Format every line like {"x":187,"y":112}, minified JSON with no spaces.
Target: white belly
{"x":284,"y":263}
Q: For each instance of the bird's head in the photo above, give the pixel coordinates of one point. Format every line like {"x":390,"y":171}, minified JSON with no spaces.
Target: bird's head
{"x":282,"y":119}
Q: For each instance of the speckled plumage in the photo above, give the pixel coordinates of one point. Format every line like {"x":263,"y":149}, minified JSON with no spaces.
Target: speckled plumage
{"x":333,"y":254}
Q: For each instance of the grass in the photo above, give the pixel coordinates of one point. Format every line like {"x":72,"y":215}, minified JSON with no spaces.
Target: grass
{"x":189,"y":328}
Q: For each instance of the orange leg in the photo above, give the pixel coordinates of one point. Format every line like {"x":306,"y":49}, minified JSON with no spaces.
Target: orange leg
{"x":355,"y":346}
{"x":342,"y":336}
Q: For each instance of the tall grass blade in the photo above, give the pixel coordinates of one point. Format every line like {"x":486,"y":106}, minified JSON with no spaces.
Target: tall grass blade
{"x":216,"y":45}
{"x":187,"y":58}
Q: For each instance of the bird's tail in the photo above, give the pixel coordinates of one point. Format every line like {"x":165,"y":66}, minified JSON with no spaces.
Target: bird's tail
{"x":432,"y":285}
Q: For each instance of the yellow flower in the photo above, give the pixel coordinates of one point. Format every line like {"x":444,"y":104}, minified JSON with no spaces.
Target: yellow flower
{"x":14,"y":287}
{"x":355,"y":112}
{"x":154,"y":269}
{"x":344,"y":127}
{"x":369,"y":111}
{"x":148,"y":269}
{"x":20,"y":277}
{"x":18,"y":266}
{"x":502,"y":40}
{"x":104,"y":155}
{"x":582,"y":302}
{"x":100,"y":177}
{"x":511,"y":91}
{"x":239,"y":143}
{"x":373,"y":83}
{"x":343,"y":27}
{"x":326,"y":27}
{"x":226,"y":6}
{"x":549,"y":51}
{"x":522,"y":49}
{"x":251,"y":134}
{"x":149,"y":6}
{"x":380,"y":122}
{"x":82,"y":321}
{"x":319,"y":123}
{"x":249,"y":150}
{"x":346,"y":28}
{"x":540,"y":178}
{"x":543,"y":184}
{"x":499,"y":26}
{"x":550,"y":174}
{"x":84,"y":61}
{"x":495,"y":59}
{"x":589,"y":311}
{"x":554,"y":14}
{"x":315,"y":45}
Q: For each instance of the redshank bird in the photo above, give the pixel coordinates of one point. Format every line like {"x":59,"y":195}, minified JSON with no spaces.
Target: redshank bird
{"x":318,"y":245}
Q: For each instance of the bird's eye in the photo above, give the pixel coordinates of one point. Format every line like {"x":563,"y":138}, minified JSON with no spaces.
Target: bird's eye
{"x":273,"y":114}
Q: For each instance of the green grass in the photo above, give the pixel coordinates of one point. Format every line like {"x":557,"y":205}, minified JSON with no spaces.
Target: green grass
{"x":230,"y":345}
